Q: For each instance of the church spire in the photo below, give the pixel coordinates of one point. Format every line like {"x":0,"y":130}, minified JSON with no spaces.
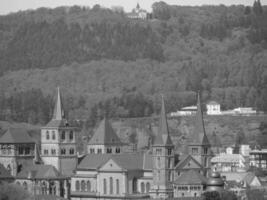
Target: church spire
{"x":200,"y":133}
{"x":163,"y":137}
{"x":58,"y":109}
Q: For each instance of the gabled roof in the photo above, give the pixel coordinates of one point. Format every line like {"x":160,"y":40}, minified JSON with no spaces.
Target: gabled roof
{"x":40,"y":172}
{"x":127,"y":161}
{"x":163,"y":138}
{"x":185,"y":161}
{"x":105,"y":135}
{"x":16,"y":136}
{"x":199,"y":137}
{"x":190,"y":177}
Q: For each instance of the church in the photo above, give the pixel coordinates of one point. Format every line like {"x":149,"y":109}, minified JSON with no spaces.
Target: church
{"x":107,"y":170}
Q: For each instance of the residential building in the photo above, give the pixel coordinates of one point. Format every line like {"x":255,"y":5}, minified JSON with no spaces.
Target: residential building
{"x":258,"y":158}
{"x":213,"y":108}
{"x":17,"y":149}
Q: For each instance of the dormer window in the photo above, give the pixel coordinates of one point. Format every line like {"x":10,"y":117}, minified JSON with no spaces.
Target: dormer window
{"x":118,"y":150}
{"x":109,"y":150}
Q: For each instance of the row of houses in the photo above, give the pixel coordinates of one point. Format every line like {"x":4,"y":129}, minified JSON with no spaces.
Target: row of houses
{"x":214,"y":108}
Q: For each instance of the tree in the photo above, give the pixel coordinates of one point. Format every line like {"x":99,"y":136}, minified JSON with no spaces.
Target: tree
{"x":13,"y":192}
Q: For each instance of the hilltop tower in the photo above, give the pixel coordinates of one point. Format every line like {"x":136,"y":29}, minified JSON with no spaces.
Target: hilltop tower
{"x":163,"y":159}
{"x":200,"y":147}
{"x":58,"y":141}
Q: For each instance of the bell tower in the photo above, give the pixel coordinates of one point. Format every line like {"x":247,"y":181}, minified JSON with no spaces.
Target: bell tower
{"x":163,"y":160}
{"x":58,"y":141}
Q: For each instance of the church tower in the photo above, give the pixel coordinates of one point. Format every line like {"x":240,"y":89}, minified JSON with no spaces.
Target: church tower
{"x":200,"y":147}
{"x":58,"y":141}
{"x":163,"y":160}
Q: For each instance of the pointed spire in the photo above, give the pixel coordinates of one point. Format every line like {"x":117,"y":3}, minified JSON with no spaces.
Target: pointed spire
{"x":200,"y":133}
{"x":58,"y":109}
{"x":163,"y":137}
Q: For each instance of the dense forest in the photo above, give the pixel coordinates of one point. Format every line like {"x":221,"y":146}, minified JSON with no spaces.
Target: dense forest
{"x":108,"y":64}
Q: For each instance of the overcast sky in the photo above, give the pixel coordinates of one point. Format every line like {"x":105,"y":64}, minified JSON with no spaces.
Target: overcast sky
{"x":7,"y":6}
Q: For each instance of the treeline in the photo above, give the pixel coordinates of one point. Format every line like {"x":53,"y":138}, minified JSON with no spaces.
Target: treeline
{"x":45,"y":45}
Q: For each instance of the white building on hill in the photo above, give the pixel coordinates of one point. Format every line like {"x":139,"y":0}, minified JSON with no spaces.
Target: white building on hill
{"x":213,"y":108}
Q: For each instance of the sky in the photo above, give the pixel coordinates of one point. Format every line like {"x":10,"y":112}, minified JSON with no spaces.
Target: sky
{"x":7,"y":6}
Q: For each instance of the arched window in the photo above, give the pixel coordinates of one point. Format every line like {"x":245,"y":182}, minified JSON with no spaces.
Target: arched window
{"x":71,"y":151}
{"x":63,"y":151}
{"x":63,"y":135}
{"x":44,"y":188}
{"x":71,"y":135}
{"x":88,"y":186}
{"x":77,"y":186}
{"x":83,"y":185}
{"x":53,"y":135}
{"x":105,"y":186}
{"x":147,"y":187}
{"x":117,"y":186}
{"x":111,"y":185}
{"x":47,"y":135}
{"x":142,"y":187}
{"x":134,"y":185}
{"x":25,"y":185}
{"x":9,"y":168}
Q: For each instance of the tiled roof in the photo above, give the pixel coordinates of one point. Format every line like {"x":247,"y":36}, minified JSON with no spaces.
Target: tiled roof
{"x":16,"y":136}
{"x":40,"y":172}
{"x":54,"y":123}
{"x":163,"y":137}
{"x":190,"y":177}
{"x":185,"y":160}
{"x":228,"y":158}
{"x":127,"y":161}
{"x":105,"y":135}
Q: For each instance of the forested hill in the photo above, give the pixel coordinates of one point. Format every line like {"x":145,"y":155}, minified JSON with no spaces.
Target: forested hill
{"x":107,"y":63}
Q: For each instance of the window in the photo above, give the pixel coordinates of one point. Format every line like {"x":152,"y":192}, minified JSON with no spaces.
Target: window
{"x":194,"y":150}
{"x":109,"y":150}
{"x":63,"y":151}
{"x":47,"y":135}
{"x":45,"y":151}
{"x":18,"y":183}
{"x":134,"y":185}
{"x":99,"y":151}
{"x":147,"y":187}
{"x":118,"y":150}
{"x":205,"y":150}
{"x":92,"y":150}
{"x":21,"y":150}
{"x":158,"y":151}
{"x":105,"y":186}
{"x":142,"y":187}
{"x":158,"y":161}
{"x":88,"y":186}
{"x":44,"y":188}
{"x":63,"y":135}
{"x":71,"y":151}
{"x":170,"y":176}
{"x":71,"y":135}
{"x":8,"y":149}
{"x":27,"y":150}
{"x":53,"y":151}
{"x":169,"y":151}
{"x":110,"y":185}
{"x":83,"y":186}
{"x":77,"y":185}
{"x":117,"y":186}
{"x":53,"y":135}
